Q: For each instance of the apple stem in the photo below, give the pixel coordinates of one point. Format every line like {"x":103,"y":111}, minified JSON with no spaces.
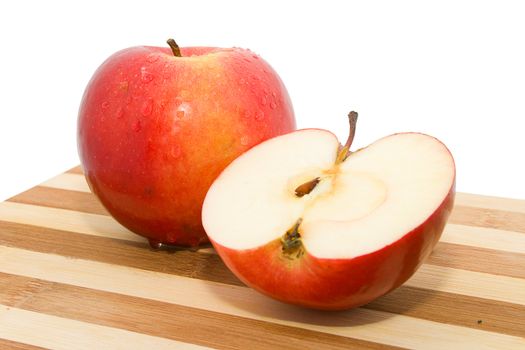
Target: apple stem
{"x":291,"y":241}
{"x":345,"y":151}
{"x":174,"y":47}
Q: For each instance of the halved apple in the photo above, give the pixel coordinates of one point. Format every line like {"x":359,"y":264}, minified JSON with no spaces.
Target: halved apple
{"x":302,"y":219}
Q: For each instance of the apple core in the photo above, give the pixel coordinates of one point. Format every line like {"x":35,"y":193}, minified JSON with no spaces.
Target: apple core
{"x":326,"y":199}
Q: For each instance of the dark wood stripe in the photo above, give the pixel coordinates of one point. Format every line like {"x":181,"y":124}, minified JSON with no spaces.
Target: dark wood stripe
{"x":12,"y":345}
{"x":481,"y":217}
{"x":422,"y":303}
{"x":165,"y":320}
{"x":472,"y":312}
{"x":57,"y":198}
{"x":112,"y":251}
{"x":495,"y":262}
{"x":76,"y":170}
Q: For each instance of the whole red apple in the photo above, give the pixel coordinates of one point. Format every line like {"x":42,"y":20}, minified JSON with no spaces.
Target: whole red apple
{"x":304,"y":220}
{"x":157,"y":125}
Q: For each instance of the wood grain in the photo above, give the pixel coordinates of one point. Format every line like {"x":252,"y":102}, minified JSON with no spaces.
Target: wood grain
{"x":142,"y":315}
{"x":363,"y":324}
{"x":67,"y":268}
{"x":83,"y":202}
{"x":12,"y":345}
{"x":65,"y":333}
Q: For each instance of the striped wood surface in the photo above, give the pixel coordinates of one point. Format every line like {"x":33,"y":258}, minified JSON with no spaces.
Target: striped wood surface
{"x":72,"y":278}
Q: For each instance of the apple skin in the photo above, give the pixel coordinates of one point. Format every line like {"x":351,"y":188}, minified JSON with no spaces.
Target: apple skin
{"x":337,"y":284}
{"x":155,"y":130}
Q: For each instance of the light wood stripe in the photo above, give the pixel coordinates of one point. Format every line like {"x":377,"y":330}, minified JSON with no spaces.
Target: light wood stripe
{"x":490,"y":202}
{"x":66,"y":220}
{"x":422,"y":303}
{"x":68,"y":181}
{"x":470,"y":283}
{"x":163,"y":319}
{"x":361,"y":323}
{"x":483,"y":237}
{"x":61,"y":333}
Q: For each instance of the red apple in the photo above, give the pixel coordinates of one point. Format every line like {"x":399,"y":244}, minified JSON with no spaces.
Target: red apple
{"x":304,"y":220}
{"x":157,"y":125}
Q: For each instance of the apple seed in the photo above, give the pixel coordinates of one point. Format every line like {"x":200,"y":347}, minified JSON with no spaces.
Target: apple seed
{"x":307,"y":187}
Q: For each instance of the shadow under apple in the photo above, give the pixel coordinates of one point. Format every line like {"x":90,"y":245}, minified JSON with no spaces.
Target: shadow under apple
{"x":404,"y":300}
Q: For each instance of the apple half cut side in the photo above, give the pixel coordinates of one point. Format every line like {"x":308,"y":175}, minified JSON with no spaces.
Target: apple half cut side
{"x":302,"y":219}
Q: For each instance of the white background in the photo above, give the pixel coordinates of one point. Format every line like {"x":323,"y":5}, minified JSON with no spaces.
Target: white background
{"x":453,"y":69}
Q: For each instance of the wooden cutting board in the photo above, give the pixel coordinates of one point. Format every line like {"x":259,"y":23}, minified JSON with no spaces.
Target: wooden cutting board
{"x":72,"y":278}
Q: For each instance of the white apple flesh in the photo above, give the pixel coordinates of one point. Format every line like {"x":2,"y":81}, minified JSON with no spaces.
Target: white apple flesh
{"x":307,"y":222}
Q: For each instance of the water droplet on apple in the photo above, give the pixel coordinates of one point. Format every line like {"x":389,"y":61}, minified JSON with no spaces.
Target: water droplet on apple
{"x":146,"y":76}
{"x":259,"y":116}
{"x":137,"y":126}
{"x":245,"y":140}
{"x":152,"y":58}
{"x":155,"y":244}
{"x":175,"y":152}
{"x":263,"y":101}
{"x":105,"y":105}
{"x":120,"y":113}
{"x":147,"y":107}
{"x":183,"y":110}
{"x":123,"y":86}
{"x":273,"y":105}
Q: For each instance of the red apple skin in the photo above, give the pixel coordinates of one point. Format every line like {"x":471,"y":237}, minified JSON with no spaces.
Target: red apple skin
{"x":337,"y":284}
{"x":155,"y":130}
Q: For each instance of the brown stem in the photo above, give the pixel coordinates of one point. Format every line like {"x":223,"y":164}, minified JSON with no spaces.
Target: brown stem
{"x":345,"y":151}
{"x":174,"y":47}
